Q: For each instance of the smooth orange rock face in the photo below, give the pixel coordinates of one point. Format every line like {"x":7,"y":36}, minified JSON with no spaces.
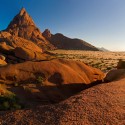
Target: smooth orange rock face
{"x":55,"y":71}
{"x":60,"y":79}
{"x":29,"y":55}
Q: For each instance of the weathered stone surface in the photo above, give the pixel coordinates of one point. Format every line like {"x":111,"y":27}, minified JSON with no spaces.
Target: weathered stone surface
{"x":24,"y":53}
{"x":23,"y":26}
{"x":56,"y":72}
{"x":4,"y":48}
{"x":62,"y":42}
{"x":115,"y":74}
{"x":9,"y":42}
{"x":2,"y":62}
{"x":30,"y":55}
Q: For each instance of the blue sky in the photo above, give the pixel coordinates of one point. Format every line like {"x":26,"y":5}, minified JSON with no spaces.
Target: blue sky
{"x":99,"y":22}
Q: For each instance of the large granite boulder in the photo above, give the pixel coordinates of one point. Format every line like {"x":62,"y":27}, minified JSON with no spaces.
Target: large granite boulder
{"x":30,"y":55}
{"x":56,"y":72}
{"x":115,"y":74}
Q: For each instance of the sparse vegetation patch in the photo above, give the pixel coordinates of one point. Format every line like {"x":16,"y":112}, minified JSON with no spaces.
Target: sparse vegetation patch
{"x":9,"y":102}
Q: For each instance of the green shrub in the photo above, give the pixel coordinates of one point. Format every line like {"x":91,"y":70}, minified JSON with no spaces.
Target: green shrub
{"x":109,"y":68}
{"x":5,"y":105}
{"x":17,"y":106}
{"x":40,"y":80}
{"x":16,"y":84}
{"x":9,"y":102}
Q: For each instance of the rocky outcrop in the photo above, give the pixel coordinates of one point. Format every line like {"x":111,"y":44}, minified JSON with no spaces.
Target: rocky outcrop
{"x":115,"y":74}
{"x":55,"y":72}
{"x":53,"y":81}
{"x":17,"y":49}
{"x":5,"y":49}
{"x":29,"y":55}
{"x":24,"y":53}
{"x":9,"y":42}
{"x":23,"y":26}
{"x":47,"y":34}
{"x":62,"y":42}
{"x":21,"y":19}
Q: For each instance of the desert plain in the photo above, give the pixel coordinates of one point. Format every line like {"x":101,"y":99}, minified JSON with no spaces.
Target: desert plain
{"x":104,"y":61}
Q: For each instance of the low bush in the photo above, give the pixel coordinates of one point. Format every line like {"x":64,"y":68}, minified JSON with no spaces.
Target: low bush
{"x":9,"y":102}
{"x":40,"y":80}
{"x":109,"y":68}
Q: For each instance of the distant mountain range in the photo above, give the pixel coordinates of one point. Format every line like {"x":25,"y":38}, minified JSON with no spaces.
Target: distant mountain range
{"x":103,"y":49}
{"x":23,"y":28}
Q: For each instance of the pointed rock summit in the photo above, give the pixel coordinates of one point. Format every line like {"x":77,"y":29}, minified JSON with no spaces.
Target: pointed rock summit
{"x":23,"y":12}
{"x":47,"y":34}
{"x":25,"y":18}
{"x":21,"y":19}
{"x":23,"y":26}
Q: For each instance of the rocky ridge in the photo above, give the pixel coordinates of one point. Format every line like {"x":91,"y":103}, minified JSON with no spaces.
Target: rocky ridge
{"x":62,"y":42}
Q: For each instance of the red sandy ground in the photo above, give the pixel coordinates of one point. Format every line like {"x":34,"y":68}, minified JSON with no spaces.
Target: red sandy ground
{"x":103,"y":104}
